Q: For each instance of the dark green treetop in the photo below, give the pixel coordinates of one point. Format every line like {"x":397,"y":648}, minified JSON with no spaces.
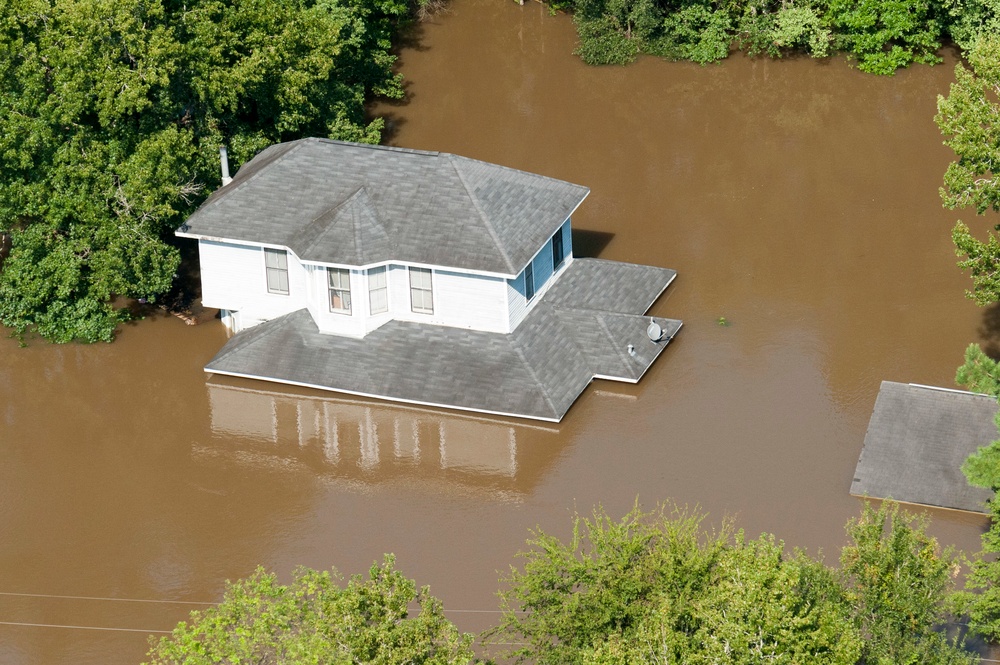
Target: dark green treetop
{"x":111,"y":116}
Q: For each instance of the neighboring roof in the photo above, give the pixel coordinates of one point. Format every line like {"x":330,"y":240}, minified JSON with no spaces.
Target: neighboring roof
{"x":357,"y":204}
{"x":917,"y":439}
{"x":537,"y":371}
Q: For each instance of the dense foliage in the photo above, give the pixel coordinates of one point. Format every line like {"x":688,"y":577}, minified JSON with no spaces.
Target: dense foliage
{"x":657,"y":588}
{"x":111,"y":117}
{"x":314,"y":620}
{"x":881,"y":36}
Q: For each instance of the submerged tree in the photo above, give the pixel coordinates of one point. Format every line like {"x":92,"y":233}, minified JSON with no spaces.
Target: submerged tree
{"x":111,"y":116}
{"x":969,"y":118}
{"x":315,"y":620}
{"x":657,"y":588}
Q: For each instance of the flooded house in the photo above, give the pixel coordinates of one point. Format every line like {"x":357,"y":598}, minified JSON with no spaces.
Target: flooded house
{"x":418,"y":277}
{"x":917,"y":439}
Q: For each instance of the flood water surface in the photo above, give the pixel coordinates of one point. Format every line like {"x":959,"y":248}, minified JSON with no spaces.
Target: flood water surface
{"x":796,"y":199}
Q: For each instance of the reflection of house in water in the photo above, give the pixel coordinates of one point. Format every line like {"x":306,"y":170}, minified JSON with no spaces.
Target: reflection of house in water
{"x":377,"y":442}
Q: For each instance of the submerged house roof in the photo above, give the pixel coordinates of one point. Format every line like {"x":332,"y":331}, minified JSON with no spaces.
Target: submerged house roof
{"x":353,"y":204}
{"x":917,"y":439}
{"x":537,"y":371}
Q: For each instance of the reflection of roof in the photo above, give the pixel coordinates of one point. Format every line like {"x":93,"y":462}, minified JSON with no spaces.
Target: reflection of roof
{"x":367,"y":443}
{"x":356,"y":204}
{"x":917,"y":439}
{"x":537,"y":371}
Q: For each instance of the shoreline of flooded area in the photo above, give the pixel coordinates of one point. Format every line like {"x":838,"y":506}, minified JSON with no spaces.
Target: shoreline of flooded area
{"x":797,"y":199}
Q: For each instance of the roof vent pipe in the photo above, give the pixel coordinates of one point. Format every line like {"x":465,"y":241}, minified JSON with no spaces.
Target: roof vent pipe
{"x":224,"y":160}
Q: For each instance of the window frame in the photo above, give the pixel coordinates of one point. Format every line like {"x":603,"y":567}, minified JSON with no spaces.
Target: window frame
{"x":339,"y":290}
{"x":276,"y":271}
{"x":372,"y":290}
{"x":560,"y":257}
{"x":428,"y":290}
{"x":529,"y":281}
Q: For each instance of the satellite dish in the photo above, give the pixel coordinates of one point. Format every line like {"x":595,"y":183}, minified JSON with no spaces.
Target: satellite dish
{"x":654,"y":331}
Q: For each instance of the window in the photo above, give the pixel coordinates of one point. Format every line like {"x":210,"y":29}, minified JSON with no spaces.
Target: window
{"x":340,"y":290}
{"x":558,"y":253}
{"x":276,"y":265}
{"x":421,"y":298}
{"x":529,"y":282}
{"x":378,"y":292}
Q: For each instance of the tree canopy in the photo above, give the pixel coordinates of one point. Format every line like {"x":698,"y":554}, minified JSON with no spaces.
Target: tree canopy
{"x":314,"y":620}
{"x":111,"y":117}
{"x":879,"y":36}
{"x":969,"y":119}
{"x":656,"y":587}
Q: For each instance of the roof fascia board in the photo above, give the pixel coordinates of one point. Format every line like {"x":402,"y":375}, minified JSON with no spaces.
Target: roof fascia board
{"x":366,"y":266}
{"x":380,"y":397}
{"x":568,"y":218}
{"x":465,"y":415}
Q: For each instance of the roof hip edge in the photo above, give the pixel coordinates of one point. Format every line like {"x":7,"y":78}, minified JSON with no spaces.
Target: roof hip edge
{"x":482,"y":216}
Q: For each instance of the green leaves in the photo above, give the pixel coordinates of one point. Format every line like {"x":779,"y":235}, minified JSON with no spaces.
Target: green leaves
{"x":899,"y":584}
{"x":969,"y":119}
{"x":657,"y":588}
{"x":315,"y":620}
{"x":885,"y":35}
{"x":111,"y":115}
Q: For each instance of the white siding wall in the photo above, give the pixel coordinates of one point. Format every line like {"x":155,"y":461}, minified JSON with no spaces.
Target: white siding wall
{"x":460,"y":300}
{"x":233,"y":277}
{"x":338,"y":323}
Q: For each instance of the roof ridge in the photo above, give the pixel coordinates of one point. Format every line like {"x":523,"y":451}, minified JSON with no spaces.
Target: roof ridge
{"x":308,"y":229}
{"x":515,"y":170}
{"x":531,"y":370}
{"x":611,"y":338}
{"x":482,"y":215}
{"x":369,"y":205}
{"x":373,"y":146}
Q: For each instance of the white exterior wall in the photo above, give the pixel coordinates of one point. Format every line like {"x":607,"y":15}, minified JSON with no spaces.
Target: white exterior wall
{"x":233,"y":277}
{"x":461,"y":300}
{"x":337,"y":322}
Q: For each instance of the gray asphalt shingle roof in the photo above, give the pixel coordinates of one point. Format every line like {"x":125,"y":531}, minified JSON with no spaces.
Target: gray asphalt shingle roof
{"x":537,"y":371}
{"x":917,"y":439}
{"x":356,"y":204}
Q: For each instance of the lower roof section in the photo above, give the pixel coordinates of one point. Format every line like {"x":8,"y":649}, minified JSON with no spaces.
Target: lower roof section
{"x":917,"y":439}
{"x":538,"y":371}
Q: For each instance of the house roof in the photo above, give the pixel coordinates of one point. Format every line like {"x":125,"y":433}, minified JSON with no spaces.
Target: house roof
{"x":537,"y":371}
{"x":917,"y":439}
{"x":357,"y":204}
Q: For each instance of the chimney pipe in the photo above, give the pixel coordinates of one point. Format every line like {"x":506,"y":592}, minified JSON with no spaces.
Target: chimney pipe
{"x":224,"y":160}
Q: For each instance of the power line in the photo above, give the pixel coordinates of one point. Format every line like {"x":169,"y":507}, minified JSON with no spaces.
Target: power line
{"x":198,"y":602}
{"x":124,"y":600}
{"x":54,"y":625}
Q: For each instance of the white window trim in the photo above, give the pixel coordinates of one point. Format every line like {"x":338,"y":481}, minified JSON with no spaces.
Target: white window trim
{"x":384,"y":288}
{"x":267,"y":282}
{"x":330,"y":290}
{"x":430,"y":275}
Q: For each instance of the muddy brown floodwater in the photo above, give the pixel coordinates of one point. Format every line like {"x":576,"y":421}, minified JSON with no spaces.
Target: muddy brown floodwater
{"x":797,"y":199}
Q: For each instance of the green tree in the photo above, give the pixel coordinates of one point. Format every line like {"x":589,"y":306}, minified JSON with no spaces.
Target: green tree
{"x":884,"y":35}
{"x":314,"y":620}
{"x":657,"y":588}
{"x":111,"y":116}
{"x":981,"y":599}
{"x":969,"y":118}
{"x":968,"y":20}
{"x":979,"y":373}
{"x":899,"y":582}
